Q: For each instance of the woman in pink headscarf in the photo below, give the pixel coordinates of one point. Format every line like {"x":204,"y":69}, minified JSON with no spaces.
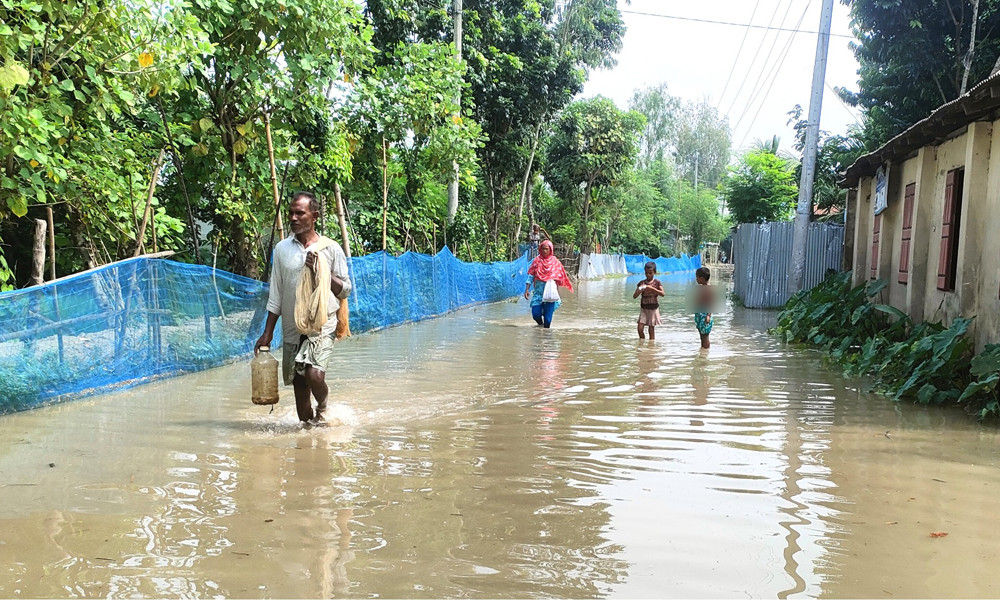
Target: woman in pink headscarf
{"x":546,"y":267}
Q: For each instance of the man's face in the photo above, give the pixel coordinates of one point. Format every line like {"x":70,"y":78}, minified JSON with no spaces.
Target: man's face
{"x":300,"y":218}
{"x":650,"y":272}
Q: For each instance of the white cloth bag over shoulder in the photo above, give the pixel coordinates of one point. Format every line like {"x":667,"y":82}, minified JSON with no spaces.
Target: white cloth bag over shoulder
{"x":551,"y":291}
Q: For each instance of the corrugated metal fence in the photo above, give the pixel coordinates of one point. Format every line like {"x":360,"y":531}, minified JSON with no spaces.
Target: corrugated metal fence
{"x":762,"y":255}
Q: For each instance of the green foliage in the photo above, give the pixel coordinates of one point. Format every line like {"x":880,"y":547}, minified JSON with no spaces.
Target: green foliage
{"x":662,"y":111}
{"x":983,"y":393}
{"x":703,"y":139}
{"x":911,"y":58}
{"x":687,"y":133}
{"x":833,"y":155}
{"x":927,"y":363}
{"x":594,"y":145}
{"x":761,"y":187}
{"x":74,"y":83}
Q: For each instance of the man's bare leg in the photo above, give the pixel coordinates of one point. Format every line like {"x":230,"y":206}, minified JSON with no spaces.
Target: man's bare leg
{"x":317,"y":385}
{"x":303,"y":403}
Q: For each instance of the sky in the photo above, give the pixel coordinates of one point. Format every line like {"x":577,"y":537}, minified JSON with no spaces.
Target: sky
{"x":771,"y":71}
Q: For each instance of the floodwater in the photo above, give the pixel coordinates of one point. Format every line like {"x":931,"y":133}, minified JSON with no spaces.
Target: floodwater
{"x":479,"y":456}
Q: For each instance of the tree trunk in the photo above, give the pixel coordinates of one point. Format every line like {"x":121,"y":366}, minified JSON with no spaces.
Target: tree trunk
{"x":140,"y":237}
{"x":967,"y":60}
{"x":584,"y":229}
{"x":180,"y":177}
{"x":38,"y":254}
{"x":244,"y":263}
{"x":524,"y":187}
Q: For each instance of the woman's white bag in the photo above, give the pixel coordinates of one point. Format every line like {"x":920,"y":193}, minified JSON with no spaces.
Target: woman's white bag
{"x":551,"y":291}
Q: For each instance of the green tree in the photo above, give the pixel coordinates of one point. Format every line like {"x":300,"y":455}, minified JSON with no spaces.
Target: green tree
{"x":833,"y":155}
{"x":636,"y":213}
{"x":703,"y":139}
{"x":761,"y":187}
{"x":917,"y":55}
{"x":74,"y":82}
{"x":594,"y":145}
{"x":697,"y":217}
{"x":406,"y":107}
{"x":280,"y":59}
{"x":659,"y":139}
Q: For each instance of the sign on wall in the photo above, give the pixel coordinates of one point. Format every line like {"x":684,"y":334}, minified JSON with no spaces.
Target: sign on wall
{"x":881,"y":188}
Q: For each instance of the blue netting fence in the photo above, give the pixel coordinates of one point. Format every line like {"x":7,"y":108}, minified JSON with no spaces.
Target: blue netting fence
{"x":636,"y":263}
{"x":140,"y":319}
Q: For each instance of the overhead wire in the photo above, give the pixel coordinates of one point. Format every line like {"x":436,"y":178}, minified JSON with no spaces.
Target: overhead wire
{"x":850,"y":109}
{"x":776,"y":69}
{"x":739,"y":53}
{"x":763,"y":67}
{"x":715,"y":22}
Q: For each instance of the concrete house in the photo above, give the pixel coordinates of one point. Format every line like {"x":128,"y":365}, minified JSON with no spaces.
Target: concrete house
{"x":924,"y":214}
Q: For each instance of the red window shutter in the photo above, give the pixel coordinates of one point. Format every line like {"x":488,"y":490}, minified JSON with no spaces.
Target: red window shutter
{"x":949,"y":229}
{"x":875,"y":239}
{"x":904,"y":246}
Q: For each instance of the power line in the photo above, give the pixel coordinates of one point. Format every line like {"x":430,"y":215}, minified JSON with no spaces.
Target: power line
{"x":775,"y":70}
{"x":737,"y":59}
{"x":761,"y":78}
{"x":753,"y":63}
{"x":850,"y":109}
{"x":751,"y":25}
{"x":772,"y":73}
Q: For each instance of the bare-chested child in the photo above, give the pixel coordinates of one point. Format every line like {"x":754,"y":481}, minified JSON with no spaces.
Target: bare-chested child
{"x":650,"y":289}
{"x":703,"y":306}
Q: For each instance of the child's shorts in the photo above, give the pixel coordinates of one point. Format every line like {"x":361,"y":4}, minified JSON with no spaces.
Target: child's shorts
{"x":703,"y":321}
{"x":650,"y":317}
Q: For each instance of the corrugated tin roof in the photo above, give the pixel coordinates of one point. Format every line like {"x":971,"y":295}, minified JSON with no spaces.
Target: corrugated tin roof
{"x":979,"y":102}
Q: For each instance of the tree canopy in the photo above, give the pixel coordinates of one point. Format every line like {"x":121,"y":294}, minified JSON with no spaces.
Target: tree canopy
{"x":761,"y":187}
{"x":917,"y":55}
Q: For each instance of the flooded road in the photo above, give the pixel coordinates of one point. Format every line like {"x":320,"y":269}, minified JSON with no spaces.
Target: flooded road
{"x":479,"y":456}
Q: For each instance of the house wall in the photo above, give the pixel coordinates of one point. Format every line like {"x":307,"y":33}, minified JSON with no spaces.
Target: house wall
{"x":939,"y":305}
{"x":892,"y":230}
{"x":863,"y":230}
{"x":977,"y":279}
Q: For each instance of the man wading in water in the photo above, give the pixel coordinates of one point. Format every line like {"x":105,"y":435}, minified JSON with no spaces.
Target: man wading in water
{"x":307,"y":304}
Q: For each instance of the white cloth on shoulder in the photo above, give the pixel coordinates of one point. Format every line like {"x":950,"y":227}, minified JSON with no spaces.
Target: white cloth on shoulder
{"x":313,"y":291}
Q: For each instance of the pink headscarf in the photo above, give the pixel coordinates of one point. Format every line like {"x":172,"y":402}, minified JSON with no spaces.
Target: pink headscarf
{"x":549,"y":268}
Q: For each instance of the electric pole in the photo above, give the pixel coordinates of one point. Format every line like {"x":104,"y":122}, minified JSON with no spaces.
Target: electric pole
{"x":803,"y":210}
{"x":453,"y":184}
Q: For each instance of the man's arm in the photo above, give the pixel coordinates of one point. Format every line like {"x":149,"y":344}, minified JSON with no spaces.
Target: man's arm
{"x":273,"y":303}
{"x":340,"y":282}
{"x":266,"y":337}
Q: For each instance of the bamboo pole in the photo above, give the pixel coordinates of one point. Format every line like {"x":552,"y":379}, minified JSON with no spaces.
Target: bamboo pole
{"x":274,"y":173}
{"x":385,"y":192}
{"x":52,"y":243}
{"x":52,"y":265}
{"x":139,"y":246}
{"x":38,"y":254}
{"x":344,"y":312}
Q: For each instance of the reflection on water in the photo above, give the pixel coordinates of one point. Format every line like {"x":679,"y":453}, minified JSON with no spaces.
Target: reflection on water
{"x":480,"y":456}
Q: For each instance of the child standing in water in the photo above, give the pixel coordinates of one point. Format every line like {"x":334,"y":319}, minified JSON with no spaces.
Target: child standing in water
{"x":703,"y":306}
{"x":650,"y":289}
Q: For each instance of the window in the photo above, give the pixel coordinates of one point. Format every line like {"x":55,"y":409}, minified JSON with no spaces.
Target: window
{"x":948,"y":260}
{"x":875,"y":236}
{"x":904,"y":246}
